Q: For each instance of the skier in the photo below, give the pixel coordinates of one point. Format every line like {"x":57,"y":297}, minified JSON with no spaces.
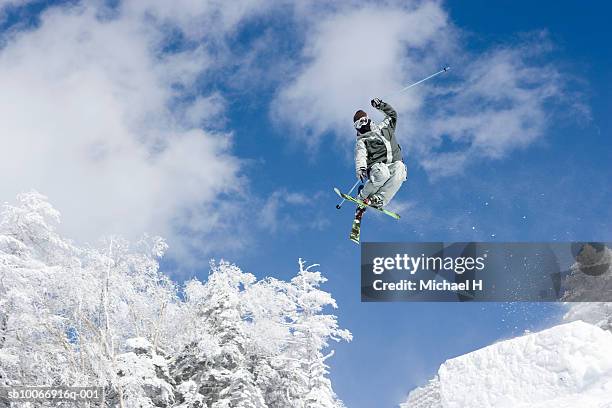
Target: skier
{"x":378,"y":158}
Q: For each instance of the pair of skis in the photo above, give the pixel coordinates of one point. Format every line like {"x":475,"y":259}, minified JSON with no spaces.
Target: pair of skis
{"x":356,"y":228}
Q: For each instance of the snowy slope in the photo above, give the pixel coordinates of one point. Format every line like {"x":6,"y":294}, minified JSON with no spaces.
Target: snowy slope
{"x":569,"y":365}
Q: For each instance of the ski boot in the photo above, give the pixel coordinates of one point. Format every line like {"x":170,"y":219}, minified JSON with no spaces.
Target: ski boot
{"x":375,"y":200}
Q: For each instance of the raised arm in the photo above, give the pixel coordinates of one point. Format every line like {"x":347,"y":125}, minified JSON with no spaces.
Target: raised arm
{"x":390,"y":113}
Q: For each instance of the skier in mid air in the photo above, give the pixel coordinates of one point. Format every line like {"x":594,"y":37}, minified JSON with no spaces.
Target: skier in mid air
{"x":378,"y":159}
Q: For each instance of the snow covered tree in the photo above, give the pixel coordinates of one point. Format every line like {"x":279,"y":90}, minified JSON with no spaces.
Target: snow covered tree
{"x":269,"y":315}
{"x":222,"y":372}
{"x":106,"y":315}
{"x":311,"y":332}
{"x":267,"y":337}
{"x":143,"y":376}
{"x":66,"y":311}
{"x":34,"y":262}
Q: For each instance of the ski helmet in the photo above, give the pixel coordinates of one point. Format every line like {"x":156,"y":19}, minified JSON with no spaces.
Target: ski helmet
{"x":361,"y":121}
{"x":358,"y":115}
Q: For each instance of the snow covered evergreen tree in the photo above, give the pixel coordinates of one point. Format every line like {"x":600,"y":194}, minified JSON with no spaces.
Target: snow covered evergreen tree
{"x":143,"y":376}
{"x":311,"y":332}
{"x":223,"y":374}
{"x":265,"y":337}
{"x":106,"y":315}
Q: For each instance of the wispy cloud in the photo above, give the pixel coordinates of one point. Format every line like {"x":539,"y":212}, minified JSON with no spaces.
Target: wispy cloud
{"x":488,"y":105}
{"x":346,"y":61}
{"x":505,"y":99}
{"x":401,"y":206}
{"x":106,"y":110}
{"x":291,"y":211}
{"x":4,"y":4}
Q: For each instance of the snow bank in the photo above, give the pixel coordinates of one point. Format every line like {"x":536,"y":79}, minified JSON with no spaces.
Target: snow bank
{"x":569,"y":365}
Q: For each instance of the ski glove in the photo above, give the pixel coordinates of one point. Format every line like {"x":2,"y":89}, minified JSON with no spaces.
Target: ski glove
{"x":376,"y":102}
{"x":362,"y":173}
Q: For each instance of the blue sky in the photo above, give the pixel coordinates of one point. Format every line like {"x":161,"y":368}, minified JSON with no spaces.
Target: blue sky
{"x":559,"y":185}
{"x":227,"y":138}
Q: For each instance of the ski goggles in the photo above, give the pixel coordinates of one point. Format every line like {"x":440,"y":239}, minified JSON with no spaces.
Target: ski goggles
{"x":361,"y":121}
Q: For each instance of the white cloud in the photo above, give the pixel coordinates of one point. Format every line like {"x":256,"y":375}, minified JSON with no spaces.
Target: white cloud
{"x":108,"y":126}
{"x":268,"y":216}
{"x":88,"y":119}
{"x":271,"y":218}
{"x":111,"y":125}
{"x":502,"y":103}
{"x":12,"y":3}
{"x":352,"y":55}
{"x":6,"y":5}
{"x":206,"y":110}
{"x":402,"y":207}
{"x":487,"y":106}
{"x":199,"y":19}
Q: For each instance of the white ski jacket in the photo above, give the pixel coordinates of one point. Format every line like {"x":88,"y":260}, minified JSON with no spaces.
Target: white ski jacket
{"x":379,"y":145}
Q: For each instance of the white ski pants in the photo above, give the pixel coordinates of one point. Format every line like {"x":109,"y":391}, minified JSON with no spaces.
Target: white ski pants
{"x":384,"y":180}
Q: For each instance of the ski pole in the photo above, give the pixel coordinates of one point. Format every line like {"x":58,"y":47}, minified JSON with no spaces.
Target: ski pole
{"x":418,"y":82}
{"x":349,"y":193}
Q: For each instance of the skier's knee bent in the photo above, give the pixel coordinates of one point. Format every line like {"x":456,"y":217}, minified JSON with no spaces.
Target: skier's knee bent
{"x":378,"y":175}
{"x":398,"y":174}
{"x":385,"y":180}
